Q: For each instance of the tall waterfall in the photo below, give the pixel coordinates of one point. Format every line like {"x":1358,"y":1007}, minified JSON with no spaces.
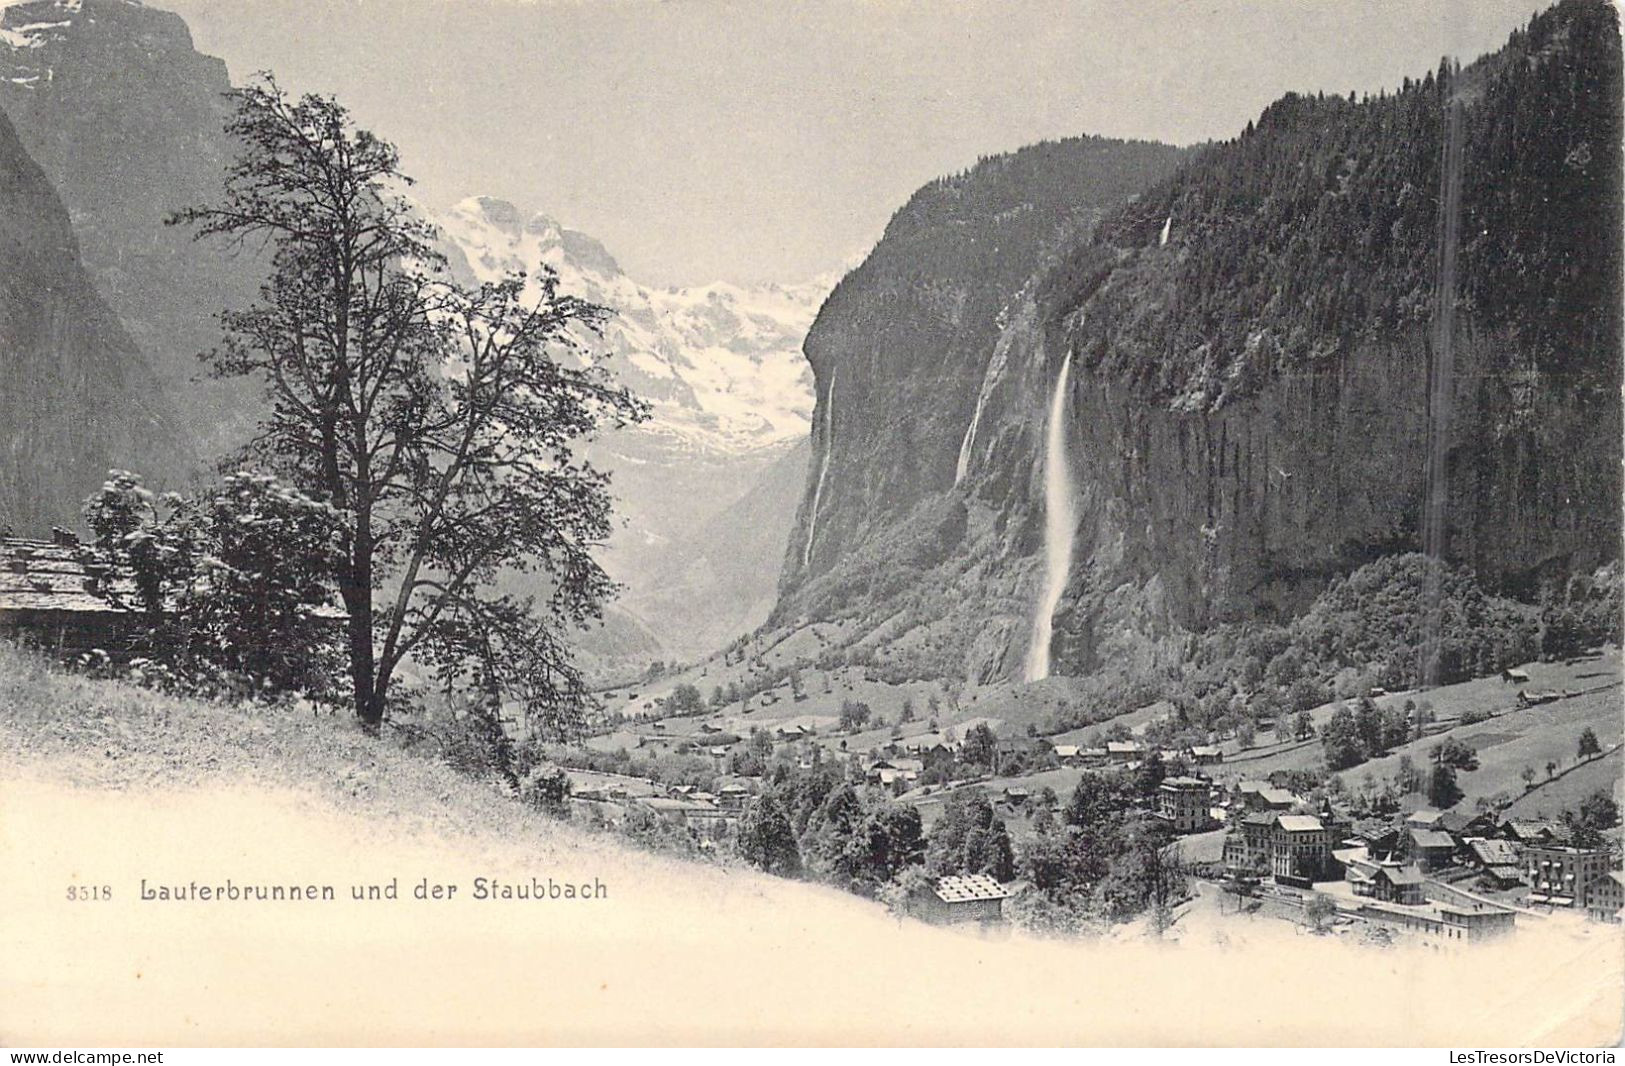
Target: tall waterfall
{"x":1060,"y":525}
{"x":1441,"y":387}
{"x":823,"y":468}
{"x":970,"y":439}
{"x":1167,"y":227}
{"x":990,"y":379}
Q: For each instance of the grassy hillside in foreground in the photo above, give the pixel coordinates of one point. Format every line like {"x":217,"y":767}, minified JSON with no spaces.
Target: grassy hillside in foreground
{"x":103,"y":783}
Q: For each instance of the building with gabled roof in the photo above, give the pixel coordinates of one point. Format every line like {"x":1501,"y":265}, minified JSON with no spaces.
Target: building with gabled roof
{"x":1528,"y":831}
{"x":960,"y":898}
{"x":62,"y":597}
{"x":1604,"y":897}
{"x":1394,"y":883}
{"x":1432,"y":849}
{"x":68,"y":598}
{"x":1497,"y":861}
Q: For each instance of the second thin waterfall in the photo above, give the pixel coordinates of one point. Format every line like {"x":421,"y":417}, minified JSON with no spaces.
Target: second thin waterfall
{"x":1060,"y":526}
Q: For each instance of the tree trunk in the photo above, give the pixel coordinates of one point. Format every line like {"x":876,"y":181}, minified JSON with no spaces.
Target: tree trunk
{"x":357,"y":591}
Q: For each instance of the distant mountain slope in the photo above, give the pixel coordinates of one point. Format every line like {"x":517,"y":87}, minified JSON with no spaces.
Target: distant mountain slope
{"x":127,"y":120}
{"x":723,"y":578}
{"x":731,"y":395}
{"x":1249,"y":351}
{"x":76,"y":396}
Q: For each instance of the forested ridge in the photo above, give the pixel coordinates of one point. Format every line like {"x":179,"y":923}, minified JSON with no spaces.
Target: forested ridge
{"x":1319,"y":225}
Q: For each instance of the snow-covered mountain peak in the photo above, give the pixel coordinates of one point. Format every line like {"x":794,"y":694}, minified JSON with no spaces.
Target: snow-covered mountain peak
{"x":721,"y":363}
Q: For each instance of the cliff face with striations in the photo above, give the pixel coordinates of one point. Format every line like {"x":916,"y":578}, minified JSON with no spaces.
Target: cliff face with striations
{"x":76,"y":396}
{"x":126,"y":119}
{"x":1252,"y":342}
{"x":901,"y":346}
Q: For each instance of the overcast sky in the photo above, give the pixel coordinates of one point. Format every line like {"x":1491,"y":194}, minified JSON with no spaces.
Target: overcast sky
{"x":771,"y":140}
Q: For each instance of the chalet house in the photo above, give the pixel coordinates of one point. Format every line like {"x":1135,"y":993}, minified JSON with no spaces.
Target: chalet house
{"x":1359,"y":870}
{"x":1206,"y":754}
{"x":1431,"y":849}
{"x":928,"y":747}
{"x":1559,"y":874}
{"x":1182,"y":802}
{"x":1390,"y":882}
{"x":1021,"y":747}
{"x":1068,"y":754}
{"x":1017,"y":798}
{"x":684,"y":812}
{"x":1604,"y":897}
{"x":1497,"y":862}
{"x":65,"y":598}
{"x":1094,"y":756}
{"x":1393,"y":883}
{"x":963,"y":898}
{"x":1381,"y":840}
{"x":895,"y":779}
{"x":1525,"y":832}
{"x":1124,"y":750}
{"x":733,"y":797}
{"x":60,"y":597}
{"x":1261,"y":796}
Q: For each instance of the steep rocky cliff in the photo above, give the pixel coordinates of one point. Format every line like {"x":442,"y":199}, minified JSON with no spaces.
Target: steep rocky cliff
{"x":913,"y":330}
{"x":126,"y":119}
{"x":1257,"y":373}
{"x":76,"y":396}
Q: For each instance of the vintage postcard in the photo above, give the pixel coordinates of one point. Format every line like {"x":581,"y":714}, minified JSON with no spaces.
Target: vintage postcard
{"x":1063,"y":522}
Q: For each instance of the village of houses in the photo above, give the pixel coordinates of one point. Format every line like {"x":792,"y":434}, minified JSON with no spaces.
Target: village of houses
{"x":1244,"y":835}
{"x":1249,"y":842}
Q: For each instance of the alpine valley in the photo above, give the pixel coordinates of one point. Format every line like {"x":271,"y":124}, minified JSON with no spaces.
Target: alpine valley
{"x":119,"y":122}
{"x":707,"y":488}
{"x":1091,"y":411}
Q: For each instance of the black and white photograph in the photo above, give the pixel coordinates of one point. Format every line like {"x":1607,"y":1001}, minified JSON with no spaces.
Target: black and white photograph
{"x":902,"y":523}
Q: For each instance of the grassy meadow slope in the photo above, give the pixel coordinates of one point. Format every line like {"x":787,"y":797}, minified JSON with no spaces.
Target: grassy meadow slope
{"x":103,"y":784}
{"x":1510,"y":739}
